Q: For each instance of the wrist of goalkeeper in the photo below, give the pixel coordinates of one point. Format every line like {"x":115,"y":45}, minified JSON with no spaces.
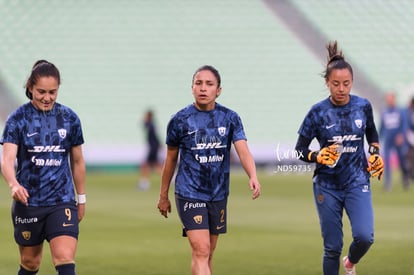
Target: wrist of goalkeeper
{"x":375,"y":161}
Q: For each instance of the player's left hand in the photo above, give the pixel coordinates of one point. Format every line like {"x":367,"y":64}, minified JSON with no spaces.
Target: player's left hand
{"x":81,"y":211}
{"x":255,"y":187}
{"x":375,"y":166}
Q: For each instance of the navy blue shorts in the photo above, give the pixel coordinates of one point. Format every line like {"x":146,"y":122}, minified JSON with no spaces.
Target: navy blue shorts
{"x":195,"y":215}
{"x":33,"y":225}
{"x":152,"y":156}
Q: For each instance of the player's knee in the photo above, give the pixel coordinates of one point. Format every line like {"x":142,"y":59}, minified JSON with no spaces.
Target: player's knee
{"x":364,"y":240}
{"x":333,"y":248}
{"x":332,"y":253}
{"x":30,"y":263}
{"x":201,"y":251}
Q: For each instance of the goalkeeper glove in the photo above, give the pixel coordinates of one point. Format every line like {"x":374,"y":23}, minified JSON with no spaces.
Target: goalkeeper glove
{"x":326,"y":156}
{"x":375,"y":162}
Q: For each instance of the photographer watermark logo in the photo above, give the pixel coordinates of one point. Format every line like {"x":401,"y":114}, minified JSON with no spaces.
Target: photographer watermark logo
{"x":289,"y":161}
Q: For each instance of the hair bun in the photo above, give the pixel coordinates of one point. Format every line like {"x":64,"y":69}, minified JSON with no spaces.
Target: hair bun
{"x":336,"y":57}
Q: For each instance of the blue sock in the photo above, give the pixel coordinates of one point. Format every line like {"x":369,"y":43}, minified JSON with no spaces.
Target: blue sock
{"x":23,"y":271}
{"x":65,"y":269}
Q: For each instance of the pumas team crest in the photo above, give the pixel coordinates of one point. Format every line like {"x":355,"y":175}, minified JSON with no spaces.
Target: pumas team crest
{"x":198,"y":219}
{"x":222,"y":131}
{"x":358,"y":123}
{"x":26,"y":235}
{"x":62,"y":133}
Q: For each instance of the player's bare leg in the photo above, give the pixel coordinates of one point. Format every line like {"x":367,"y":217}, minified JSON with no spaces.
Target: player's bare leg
{"x":63,"y":249}
{"x":144,"y":183}
{"x":213,"y":244}
{"x":30,"y":257}
{"x":200,"y":251}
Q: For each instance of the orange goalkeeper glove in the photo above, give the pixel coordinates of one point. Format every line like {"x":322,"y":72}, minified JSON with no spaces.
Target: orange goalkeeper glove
{"x":326,"y":156}
{"x":375,"y":162}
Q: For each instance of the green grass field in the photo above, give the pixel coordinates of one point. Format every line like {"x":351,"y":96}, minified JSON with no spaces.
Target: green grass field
{"x":123,"y":232}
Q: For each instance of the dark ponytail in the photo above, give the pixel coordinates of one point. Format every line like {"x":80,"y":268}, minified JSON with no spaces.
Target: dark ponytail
{"x":41,"y":68}
{"x":335,"y":60}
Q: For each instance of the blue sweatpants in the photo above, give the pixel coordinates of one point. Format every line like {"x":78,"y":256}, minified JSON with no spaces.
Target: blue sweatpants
{"x":401,"y":154}
{"x":357,"y":202}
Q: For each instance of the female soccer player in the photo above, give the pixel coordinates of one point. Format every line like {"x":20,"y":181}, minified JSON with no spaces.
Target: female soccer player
{"x":200,"y":137}
{"x":341,"y":178}
{"x":46,"y":139}
{"x":152,"y":161}
{"x":393,"y":129}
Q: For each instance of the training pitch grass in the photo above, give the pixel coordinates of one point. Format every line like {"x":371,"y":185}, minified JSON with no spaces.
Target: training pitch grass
{"x":123,"y":232}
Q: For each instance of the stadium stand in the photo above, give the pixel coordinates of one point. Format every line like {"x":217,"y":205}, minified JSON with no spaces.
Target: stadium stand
{"x":118,"y":58}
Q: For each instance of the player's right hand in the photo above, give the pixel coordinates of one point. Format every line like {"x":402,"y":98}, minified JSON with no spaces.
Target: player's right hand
{"x":19,"y":193}
{"x":326,"y":156}
{"x":164,"y":206}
